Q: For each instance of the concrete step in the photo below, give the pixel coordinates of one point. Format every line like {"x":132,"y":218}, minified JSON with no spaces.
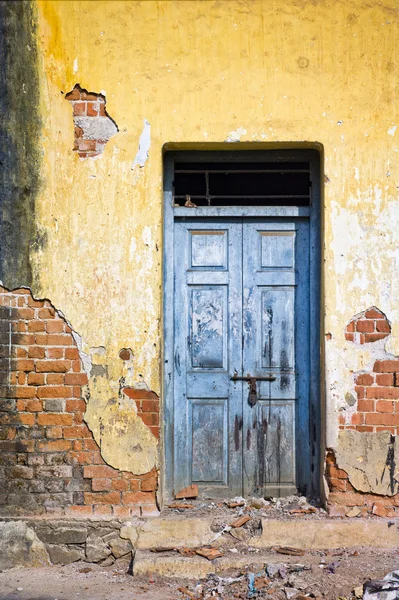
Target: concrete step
{"x":307,"y":534}
{"x":196,"y":567}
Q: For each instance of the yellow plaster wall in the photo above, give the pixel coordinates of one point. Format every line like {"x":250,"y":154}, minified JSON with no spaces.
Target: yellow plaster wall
{"x":205,"y":71}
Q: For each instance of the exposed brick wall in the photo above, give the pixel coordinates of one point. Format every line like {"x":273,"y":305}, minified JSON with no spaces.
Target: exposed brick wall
{"x":147,"y":403}
{"x":343,"y":497}
{"x":93,"y":125}
{"x":377,"y":407}
{"x":369,"y":326}
{"x":49,"y":461}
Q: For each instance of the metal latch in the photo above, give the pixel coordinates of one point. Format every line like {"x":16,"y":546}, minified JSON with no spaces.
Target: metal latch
{"x":253,"y":392}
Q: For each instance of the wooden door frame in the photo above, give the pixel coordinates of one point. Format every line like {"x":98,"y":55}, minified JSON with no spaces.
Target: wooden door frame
{"x":313,"y":212}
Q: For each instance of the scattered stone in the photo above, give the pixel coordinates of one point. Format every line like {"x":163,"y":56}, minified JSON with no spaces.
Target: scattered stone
{"x":85,"y":570}
{"x":186,"y":592}
{"x":382,"y":589}
{"x":108,"y":561}
{"x":235,"y":504}
{"x":355,"y":511}
{"x":159,"y":549}
{"x":240,"y":534}
{"x":296,"y":582}
{"x":240,"y":521}
{"x":258,"y":503}
{"x":190,"y":491}
{"x":358,"y":592}
{"x":20,"y":546}
{"x":96,"y":549}
{"x":62,"y":555}
{"x":120,"y":547}
{"x":209,"y":553}
{"x":290,"y":551}
{"x":290,"y":592}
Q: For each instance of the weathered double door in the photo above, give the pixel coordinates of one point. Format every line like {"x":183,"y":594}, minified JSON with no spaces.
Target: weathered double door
{"x":241,"y":356}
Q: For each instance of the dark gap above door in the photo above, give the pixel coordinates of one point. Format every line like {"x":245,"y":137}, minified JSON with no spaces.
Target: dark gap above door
{"x":242,"y":183}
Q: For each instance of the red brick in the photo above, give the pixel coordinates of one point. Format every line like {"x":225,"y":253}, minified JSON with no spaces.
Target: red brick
{"x":100,"y":472}
{"x":21,"y":327}
{"x":21,"y":353}
{"x":102,"y":497}
{"x":76,"y":431}
{"x":76,"y":378}
{"x":92,"y":445}
{"x":54,"y":446}
{"x":54,"y":432}
{"x":75,"y":406}
{"x":55,"y":326}
{"x":74,"y":95}
{"x":151,"y":406}
{"x":336,"y":473}
{"x":100,"y":485}
{"x":93,"y":109}
{"x":396,"y":379}
{"x":55,"y":379}
{"x":365,"y":326}
{"x":384,"y":379}
{"x":350,"y":328}
{"x":119,"y":485}
{"x":86,"y":145}
{"x":82,"y":458}
{"x":384,"y":406}
{"x":54,"y":391}
{"x":35,"y":326}
{"x":23,"y":365}
{"x":141,"y":394}
{"x":365,"y":405}
{"x":21,"y":379}
{"x":21,"y":404}
{"x":365,"y":379}
{"x":373,"y":313}
{"x":46,"y":313}
{"x":55,"y":353}
{"x":27,"y":419}
{"x":122,"y":512}
{"x":102,"y":510}
{"x":77,"y":418}
{"x":154,"y":430}
{"x":35,"y":379}
{"x":34,"y":405}
{"x":78,"y":511}
{"x":382,"y":419}
{"x":53,"y":366}
{"x":26,"y":313}
{"x":59,"y":339}
{"x":360,"y":391}
{"x":390,"y":429}
{"x":36,"y":352}
{"x":35,"y":303}
{"x":357,"y":419}
{"x":150,"y":418}
{"x":141,"y":497}
{"x":350,"y":337}
{"x":383,"y":326}
{"x":71,"y":353}
{"x":387,"y":393}
{"x":24,"y":392}
{"x":79,"y":109}
{"x":364,"y":428}
{"x":54,"y":419}
{"x":374,"y":337}
{"x":149,"y":485}
{"x":386,"y":366}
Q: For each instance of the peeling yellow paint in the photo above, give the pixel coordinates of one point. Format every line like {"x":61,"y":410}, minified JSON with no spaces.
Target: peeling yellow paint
{"x":291,"y":71}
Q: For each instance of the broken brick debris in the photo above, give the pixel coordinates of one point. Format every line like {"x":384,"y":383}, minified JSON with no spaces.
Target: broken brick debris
{"x":191,"y":491}
{"x":240,"y":521}
{"x":209,"y":553}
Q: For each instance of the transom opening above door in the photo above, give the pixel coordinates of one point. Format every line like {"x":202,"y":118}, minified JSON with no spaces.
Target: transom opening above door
{"x":232,"y":183}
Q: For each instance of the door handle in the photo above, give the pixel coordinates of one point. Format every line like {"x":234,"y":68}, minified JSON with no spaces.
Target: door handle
{"x":253,"y":392}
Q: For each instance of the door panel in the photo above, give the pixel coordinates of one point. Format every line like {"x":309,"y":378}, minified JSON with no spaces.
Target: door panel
{"x":208,"y":332}
{"x":241,"y":306}
{"x":275,"y":337}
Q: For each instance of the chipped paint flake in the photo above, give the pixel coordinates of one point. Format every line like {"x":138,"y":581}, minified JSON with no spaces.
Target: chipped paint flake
{"x":391,"y":130}
{"x":144,"y":146}
{"x":235,"y":136}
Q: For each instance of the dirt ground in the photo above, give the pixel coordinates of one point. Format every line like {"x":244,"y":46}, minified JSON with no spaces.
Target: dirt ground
{"x":330,"y":575}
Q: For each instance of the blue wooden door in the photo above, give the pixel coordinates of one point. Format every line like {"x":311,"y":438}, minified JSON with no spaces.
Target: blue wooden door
{"x":241,"y":356}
